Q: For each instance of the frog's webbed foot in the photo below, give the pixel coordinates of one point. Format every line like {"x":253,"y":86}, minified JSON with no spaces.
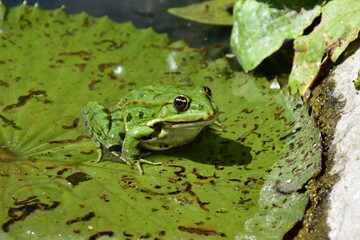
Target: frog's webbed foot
{"x":139,"y":162}
{"x":122,"y":159}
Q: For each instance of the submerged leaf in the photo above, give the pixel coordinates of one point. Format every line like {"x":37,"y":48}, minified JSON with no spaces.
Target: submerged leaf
{"x":233,"y":184}
{"x":217,"y":12}
{"x":340,"y":25}
{"x":260,"y":27}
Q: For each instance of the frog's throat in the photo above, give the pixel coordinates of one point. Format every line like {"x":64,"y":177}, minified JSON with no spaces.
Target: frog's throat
{"x":184,"y":124}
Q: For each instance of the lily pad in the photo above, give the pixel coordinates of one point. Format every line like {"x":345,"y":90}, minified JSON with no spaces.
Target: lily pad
{"x":216,"y":12}
{"x":260,"y":27}
{"x":238,"y":183}
{"x":315,"y":53}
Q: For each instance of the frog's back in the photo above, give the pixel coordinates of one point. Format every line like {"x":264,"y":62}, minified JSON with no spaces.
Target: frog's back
{"x":140,"y":106}
{"x":150,"y":94}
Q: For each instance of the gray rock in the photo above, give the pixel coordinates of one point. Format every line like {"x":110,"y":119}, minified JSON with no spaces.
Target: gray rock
{"x":344,"y":210}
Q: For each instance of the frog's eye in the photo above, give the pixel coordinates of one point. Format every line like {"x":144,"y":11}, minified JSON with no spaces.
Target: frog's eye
{"x":207,"y":91}
{"x":181,"y":103}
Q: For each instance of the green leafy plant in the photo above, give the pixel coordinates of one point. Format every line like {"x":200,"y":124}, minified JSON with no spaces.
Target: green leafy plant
{"x":239,"y":183}
{"x":316,"y":52}
{"x":357,"y":82}
{"x":261,"y":27}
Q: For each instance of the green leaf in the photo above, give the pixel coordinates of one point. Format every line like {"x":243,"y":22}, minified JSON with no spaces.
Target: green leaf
{"x":216,"y":12}
{"x":340,"y":24}
{"x":239,"y":183}
{"x":357,"y":82}
{"x":260,"y":27}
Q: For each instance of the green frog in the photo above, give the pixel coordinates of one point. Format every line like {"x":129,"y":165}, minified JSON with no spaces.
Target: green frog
{"x":153,"y":118}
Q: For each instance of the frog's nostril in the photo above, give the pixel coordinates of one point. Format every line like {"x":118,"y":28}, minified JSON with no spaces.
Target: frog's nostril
{"x":200,"y":106}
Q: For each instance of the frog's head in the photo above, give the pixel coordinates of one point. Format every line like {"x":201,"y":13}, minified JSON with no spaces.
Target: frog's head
{"x":190,"y":108}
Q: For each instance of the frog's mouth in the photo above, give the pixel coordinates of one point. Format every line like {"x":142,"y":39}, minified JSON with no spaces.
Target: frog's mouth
{"x":183,"y":124}
{"x":193,"y":124}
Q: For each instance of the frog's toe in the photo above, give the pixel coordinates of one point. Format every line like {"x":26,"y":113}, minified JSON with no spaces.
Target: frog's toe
{"x":139,"y":163}
{"x":150,"y":162}
{"x":100,"y":155}
{"x":139,"y":167}
{"x":127,"y":162}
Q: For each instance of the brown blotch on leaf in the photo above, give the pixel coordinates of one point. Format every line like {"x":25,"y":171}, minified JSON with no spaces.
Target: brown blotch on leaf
{"x":172,"y":73}
{"x":290,"y":134}
{"x":179,"y":49}
{"x":81,"y":66}
{"x":74,"y":124}
{"x":198,"y":176}
{"x":188,"y":188}
{"x":129,"y":182}
{"x":243,"y":201}
{"x":201,"y":231}
{"x":92,"y":84}
{"x":9,"y":122}
{"x":105,"y":198}
{"x":247,"y":111}
{"x":77,"y":178}
{"x":202,"y":204}
{"x":79,"y":53}
{"x":6,"y":155}
{"x":204,"y":65}
{"x":26,"y":200}
{"x":112,"y":76}
{"x":32,"y":159}
{"x":179,"y":173}
{"x":26,"y":207}
{"x":4,"y":84}
{"x":151,"y":192}
{"x":85,"y":218}
{"x":103,"y":233}
{"x":88,"y":153}
{"x":111,"y":44}
{"x":62,"y":171}
{"x":22,"y":100}
{"x":78,"y":139}
{"x":103,"y":66}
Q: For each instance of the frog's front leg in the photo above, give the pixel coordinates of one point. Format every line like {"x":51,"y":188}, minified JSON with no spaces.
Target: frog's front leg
{"x":131,"y":147}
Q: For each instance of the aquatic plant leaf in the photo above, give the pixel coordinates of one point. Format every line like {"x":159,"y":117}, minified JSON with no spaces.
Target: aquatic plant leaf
{"x":260,"y":28}
{"x":315,"y":53}
{"x":223,"y":185}
{"x":357,"y":82}
{"x":216,"y":12}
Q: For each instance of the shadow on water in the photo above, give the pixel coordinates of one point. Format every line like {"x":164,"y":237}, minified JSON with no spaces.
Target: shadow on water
{"x":212,"y":149}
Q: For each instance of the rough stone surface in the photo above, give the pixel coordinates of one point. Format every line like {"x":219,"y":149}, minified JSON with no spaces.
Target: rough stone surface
{"x":344,"y":210}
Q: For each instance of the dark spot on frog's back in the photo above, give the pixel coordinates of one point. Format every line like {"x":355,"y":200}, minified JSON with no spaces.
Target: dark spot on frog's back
{"x":128,"y":117}
{"x":141,"y":115}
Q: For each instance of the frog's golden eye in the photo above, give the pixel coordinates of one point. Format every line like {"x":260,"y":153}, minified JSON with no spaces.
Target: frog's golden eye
{"x":181,"y":103}
{"x":207,"y":91}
